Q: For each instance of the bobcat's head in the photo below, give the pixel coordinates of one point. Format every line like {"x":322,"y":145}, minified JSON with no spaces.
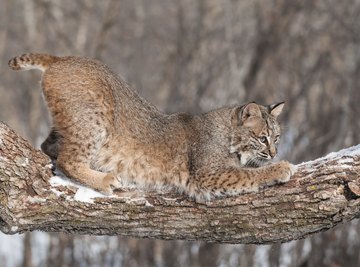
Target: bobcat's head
{"x":255,"y":133}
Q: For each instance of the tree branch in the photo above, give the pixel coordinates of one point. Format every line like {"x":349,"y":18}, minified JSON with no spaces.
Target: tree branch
{"x":322,"y":193}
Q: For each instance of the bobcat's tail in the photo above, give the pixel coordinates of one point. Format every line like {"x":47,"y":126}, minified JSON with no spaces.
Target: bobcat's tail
{"x":32,"y":61}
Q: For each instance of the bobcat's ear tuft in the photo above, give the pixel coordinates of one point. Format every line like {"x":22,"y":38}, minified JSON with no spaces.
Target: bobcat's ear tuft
{"x":276,"y":109}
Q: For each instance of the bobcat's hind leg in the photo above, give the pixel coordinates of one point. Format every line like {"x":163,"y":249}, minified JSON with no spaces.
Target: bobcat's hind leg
{"x":74,"y":162}
{"x":102,"y":182}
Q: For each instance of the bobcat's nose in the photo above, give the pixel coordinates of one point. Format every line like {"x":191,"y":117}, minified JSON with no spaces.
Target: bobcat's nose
{"x":272,"y":151}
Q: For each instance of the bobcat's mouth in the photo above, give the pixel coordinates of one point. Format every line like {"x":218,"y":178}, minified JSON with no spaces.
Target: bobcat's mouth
{"x":248,"y":161}
{"x":263,"y":156}
{"x":256,"y":162}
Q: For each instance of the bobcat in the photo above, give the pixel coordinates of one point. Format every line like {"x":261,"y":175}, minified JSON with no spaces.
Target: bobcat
{"x":104,"y":132}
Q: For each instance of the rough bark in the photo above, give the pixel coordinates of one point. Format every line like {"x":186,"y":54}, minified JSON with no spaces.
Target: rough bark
{"x":322,"y":193}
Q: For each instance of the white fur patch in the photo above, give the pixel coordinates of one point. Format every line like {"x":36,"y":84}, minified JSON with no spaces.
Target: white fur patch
{"x":245,"y":156}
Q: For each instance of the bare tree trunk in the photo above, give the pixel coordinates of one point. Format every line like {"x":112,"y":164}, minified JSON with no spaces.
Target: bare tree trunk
{"x":321,"y":194}
{"x":27,"y":260}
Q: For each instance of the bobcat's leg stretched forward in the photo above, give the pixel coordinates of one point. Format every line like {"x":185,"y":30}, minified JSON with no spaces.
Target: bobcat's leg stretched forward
{"x":234,"y":181}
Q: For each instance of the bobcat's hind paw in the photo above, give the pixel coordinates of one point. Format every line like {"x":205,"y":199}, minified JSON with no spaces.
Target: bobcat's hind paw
{"x":110,"y":182}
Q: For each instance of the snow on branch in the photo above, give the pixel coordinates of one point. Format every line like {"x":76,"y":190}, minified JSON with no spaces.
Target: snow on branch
{"x":322,"y":193}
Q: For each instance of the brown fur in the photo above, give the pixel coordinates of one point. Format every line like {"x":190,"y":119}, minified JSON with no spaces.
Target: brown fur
{"x":104,"y":132}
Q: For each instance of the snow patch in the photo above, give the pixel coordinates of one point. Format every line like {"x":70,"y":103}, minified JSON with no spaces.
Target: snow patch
{"x":138,"y":201}
{"x":36,"y":200}
{"x":148,"y":204}
{"x":343,"y":156}
{"x":49,"y":166}
{"x":169,"y":199}
{"x":57,"y":181}
{"x":86,"y":194}
{"x":83,"y":194}
{"x":56,"y":192}
{"x":346,"y":160}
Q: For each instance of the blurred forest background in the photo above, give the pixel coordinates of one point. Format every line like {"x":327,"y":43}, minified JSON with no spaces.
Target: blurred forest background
{"x":196,"y":55}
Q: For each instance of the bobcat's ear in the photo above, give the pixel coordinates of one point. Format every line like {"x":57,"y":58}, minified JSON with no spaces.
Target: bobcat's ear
{"x":240,"y":114}
{"x":276,"y":109}
{"x":250,"y":110}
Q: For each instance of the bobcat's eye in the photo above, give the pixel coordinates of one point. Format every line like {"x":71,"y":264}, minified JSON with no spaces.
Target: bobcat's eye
{"x":263,"y":139}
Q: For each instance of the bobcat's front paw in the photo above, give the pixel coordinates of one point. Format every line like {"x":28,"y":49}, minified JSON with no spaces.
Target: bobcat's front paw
{"x":285,"y":170}
{"x":110,"y":182}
